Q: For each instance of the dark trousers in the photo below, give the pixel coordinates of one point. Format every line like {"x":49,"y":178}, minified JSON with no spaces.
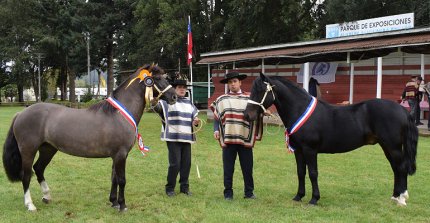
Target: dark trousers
{"x":229,"y":154}
{"x":428,"y":122}
{"x":179,"y":162}
{"x":418,"y":112}
{"x":413,"y":109}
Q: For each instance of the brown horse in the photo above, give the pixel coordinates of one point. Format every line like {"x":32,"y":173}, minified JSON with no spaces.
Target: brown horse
{"x":99,"y":131}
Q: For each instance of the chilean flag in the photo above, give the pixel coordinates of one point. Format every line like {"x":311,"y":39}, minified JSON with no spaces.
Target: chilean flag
{"x":190,"y":43}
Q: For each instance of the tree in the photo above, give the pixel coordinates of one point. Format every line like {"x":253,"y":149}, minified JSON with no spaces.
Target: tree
{"x":108,"y":24}
{"x":18,"y":38}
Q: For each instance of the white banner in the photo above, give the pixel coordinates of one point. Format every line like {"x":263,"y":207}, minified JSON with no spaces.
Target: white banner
{"x":323,"y":72}
{"x":381,"y":24}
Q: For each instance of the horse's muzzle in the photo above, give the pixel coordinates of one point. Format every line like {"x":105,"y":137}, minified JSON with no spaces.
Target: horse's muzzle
{"x":249,"y":115}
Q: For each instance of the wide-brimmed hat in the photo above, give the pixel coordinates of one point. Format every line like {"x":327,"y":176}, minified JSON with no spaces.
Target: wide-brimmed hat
{"x":179,"y":82}
{"x":232,"y":75}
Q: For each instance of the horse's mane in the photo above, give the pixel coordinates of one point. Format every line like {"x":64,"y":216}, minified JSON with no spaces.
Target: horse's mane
{"x":106,"y":106}
{"x":289,"y":84}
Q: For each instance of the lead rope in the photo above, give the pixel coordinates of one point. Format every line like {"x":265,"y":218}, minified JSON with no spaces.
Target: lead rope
{"x":277,"y":121}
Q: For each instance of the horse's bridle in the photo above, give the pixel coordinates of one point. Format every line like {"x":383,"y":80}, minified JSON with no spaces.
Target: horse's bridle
{"x":160,"y":93}
{"x":149,"y":93}
{"x":269,"y":88}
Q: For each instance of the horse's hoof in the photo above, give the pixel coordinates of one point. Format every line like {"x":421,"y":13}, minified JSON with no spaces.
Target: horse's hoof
{"x":297,"y":198}
{"x":313,"y":202}
{"x":405,"y":195}
{"x":400,"y":201}
{"x":122,"y":210}
{"x":46,"y":201}
{"x":31,"y":207}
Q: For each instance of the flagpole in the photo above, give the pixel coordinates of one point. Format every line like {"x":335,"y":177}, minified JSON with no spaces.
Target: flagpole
{"x":191,"y":81}
{"x":190,"y":56}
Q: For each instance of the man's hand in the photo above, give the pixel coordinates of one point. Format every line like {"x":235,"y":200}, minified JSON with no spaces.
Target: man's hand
{"x":267,"y":112}
{"x":196,"y":121}
{"x":154,"y":102}
{"x":216,"y":135}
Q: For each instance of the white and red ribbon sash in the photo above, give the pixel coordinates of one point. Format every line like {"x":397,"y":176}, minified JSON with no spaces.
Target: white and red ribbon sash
{"x":127,"y":115}
{"x":299,"y":123}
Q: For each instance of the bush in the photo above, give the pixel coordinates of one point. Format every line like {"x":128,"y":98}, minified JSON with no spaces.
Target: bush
{"x":88,"y":96}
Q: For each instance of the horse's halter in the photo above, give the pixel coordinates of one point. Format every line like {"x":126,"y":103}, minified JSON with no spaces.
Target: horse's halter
{"x":269,"y":88}
{"x":160,"y":93}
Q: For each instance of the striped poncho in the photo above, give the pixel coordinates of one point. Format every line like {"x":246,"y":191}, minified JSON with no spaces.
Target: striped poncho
{"x":178,"y":125}
{"x":234,"y":129}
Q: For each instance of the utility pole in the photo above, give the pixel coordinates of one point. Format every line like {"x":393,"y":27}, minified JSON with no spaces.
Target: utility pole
{"x":39,"y":56}
{"x":87,"y":37}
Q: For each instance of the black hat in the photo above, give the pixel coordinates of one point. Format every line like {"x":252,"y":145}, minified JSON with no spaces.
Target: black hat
{"x":179,"y":82}
{"x":232,"y":75}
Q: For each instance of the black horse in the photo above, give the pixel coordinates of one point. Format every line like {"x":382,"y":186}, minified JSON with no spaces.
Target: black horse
{"x":314,"y":126}
{"x":101,"y":131}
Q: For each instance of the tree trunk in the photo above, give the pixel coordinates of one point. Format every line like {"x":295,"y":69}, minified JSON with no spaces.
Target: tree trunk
{"x":63,"y":83}
{"x":20,"y":87}
{"x":110,"y":79}
{"x":72,"y":77}
{"x":98,"y":85}
{"x":34,"y":81}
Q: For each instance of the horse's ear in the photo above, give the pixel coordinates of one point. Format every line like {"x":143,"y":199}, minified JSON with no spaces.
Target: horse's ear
{"x":262,"y":76}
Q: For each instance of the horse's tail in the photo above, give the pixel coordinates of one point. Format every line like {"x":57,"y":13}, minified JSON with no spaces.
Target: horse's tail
{"x":12,"y":161}
{"x":410,"y":141}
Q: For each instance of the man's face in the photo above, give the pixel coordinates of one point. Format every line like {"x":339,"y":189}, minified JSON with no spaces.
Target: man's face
{"x":234,"y":85}
{"x":181,"y":90}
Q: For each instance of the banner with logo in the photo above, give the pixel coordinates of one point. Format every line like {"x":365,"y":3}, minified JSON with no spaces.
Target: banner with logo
{"x":374,"y":25}
{"x":323,"y":72}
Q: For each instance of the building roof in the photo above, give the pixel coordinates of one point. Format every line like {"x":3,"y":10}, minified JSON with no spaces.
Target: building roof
{"x":359,"y":47}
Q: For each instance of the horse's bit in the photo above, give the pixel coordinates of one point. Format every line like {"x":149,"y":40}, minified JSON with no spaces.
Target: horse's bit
{"x":269,"y":88}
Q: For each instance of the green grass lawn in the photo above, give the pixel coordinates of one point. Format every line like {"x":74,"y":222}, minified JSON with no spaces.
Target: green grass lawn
{"x":354,"y":187}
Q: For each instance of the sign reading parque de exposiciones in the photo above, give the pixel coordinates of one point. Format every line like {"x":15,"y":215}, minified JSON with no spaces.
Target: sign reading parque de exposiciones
{"x":381,"y":24}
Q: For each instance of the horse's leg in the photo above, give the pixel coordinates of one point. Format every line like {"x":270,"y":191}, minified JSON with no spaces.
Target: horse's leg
{"x":27,"y":161}
{"x":46,"y":152}
{"x":400,"y":176}
{"x":113,"y":197}
{"x":394,"y":155}
{"x":301,"y":174}
{"x":312,"y":163}
{"x":119,"y":163}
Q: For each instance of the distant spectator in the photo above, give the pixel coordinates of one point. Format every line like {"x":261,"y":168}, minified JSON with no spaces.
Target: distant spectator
{"x":420,"y":94}
{"x":410,"y":94}
{"x":314,"y":88}
{"x":427,"y":92}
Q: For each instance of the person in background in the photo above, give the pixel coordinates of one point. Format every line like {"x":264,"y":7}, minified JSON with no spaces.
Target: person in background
{"x":235,"y":134}
{"x":420,"y":94}
{"x":314,"y":88}
{"x":410,"y":95}
{"x":426,"y":88}
{"x":177,"y":131}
